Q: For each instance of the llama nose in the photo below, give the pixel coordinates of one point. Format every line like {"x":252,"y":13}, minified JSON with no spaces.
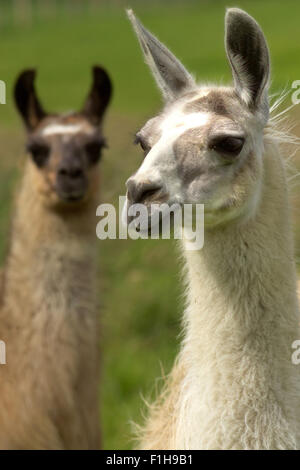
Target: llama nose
{"x":139,"y":191}
{"x":70,"y":171}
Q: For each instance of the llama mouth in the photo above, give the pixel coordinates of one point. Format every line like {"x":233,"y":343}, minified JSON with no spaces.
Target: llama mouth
{"x":71,"y":198}
{"x":71,"y":193}
{"x":152,"y":219}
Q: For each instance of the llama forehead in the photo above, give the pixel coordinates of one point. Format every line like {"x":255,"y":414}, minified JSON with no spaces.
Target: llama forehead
{"x":67,"y":129}
{"x":218,"y":101}
{"x":207,"y":112}
{"x":213,"y":101}
{"x":171,"y":124}
{"x":65,"y":134}
{"x":178,"y":122}
{"x":193,"y":110}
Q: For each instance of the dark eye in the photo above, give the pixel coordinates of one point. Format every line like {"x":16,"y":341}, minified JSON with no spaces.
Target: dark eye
{"x":39,"y":152}
{"x":140,"y":141}
{"x":229,"y":146}
{"x":93,"y":151}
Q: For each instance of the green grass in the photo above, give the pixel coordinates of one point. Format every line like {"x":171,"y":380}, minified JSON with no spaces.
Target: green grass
{"x":65,"y":46}
{"x":140,"y":289}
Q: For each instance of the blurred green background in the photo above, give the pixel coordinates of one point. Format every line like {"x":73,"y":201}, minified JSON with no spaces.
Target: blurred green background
{"x":139,"y":286}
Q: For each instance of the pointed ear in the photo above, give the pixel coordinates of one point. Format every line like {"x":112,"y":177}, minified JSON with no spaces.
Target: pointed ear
{"x":26,"y":99}
{"x":248,"y":54}
{"x":170,"y":75}
{"x":98,"y":97}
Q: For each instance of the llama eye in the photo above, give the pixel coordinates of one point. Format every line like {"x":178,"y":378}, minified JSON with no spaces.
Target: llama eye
{"x":39,"y":153}
{"x":145,"y":147}
{"x":93,"y":151}
{"x":229,"y":146}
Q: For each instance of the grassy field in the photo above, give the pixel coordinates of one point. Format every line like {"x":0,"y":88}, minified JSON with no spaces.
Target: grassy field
{"x":140,"y":290}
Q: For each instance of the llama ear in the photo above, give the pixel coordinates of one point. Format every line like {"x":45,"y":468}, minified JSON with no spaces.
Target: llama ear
{"x":98,"y":97}
{"x":248,"y":54}
{"x":26,"y":99}
{"x":170,"y":75}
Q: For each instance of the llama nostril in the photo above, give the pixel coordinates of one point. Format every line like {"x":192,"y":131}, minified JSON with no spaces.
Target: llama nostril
{"x":141,"y":191}
{"x":70,"y":172}
{"x":76,"y":173}
{"x":62,"y":172}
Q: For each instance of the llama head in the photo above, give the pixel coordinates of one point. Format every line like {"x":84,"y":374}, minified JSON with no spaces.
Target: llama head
{"x":206,"y":145}
{"x":65,"y":149}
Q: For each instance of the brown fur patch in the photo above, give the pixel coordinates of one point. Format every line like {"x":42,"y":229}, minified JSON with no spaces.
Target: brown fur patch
{"x":187,"y":150}
{"x":215,"y":102}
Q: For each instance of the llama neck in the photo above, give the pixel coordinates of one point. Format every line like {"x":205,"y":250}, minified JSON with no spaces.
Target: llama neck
{"x":51,"y":260}
{"x":241,"y":319}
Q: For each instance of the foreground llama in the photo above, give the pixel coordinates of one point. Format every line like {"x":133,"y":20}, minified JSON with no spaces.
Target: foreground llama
{"x":233,"y":385}
{"x":49,"y":315}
